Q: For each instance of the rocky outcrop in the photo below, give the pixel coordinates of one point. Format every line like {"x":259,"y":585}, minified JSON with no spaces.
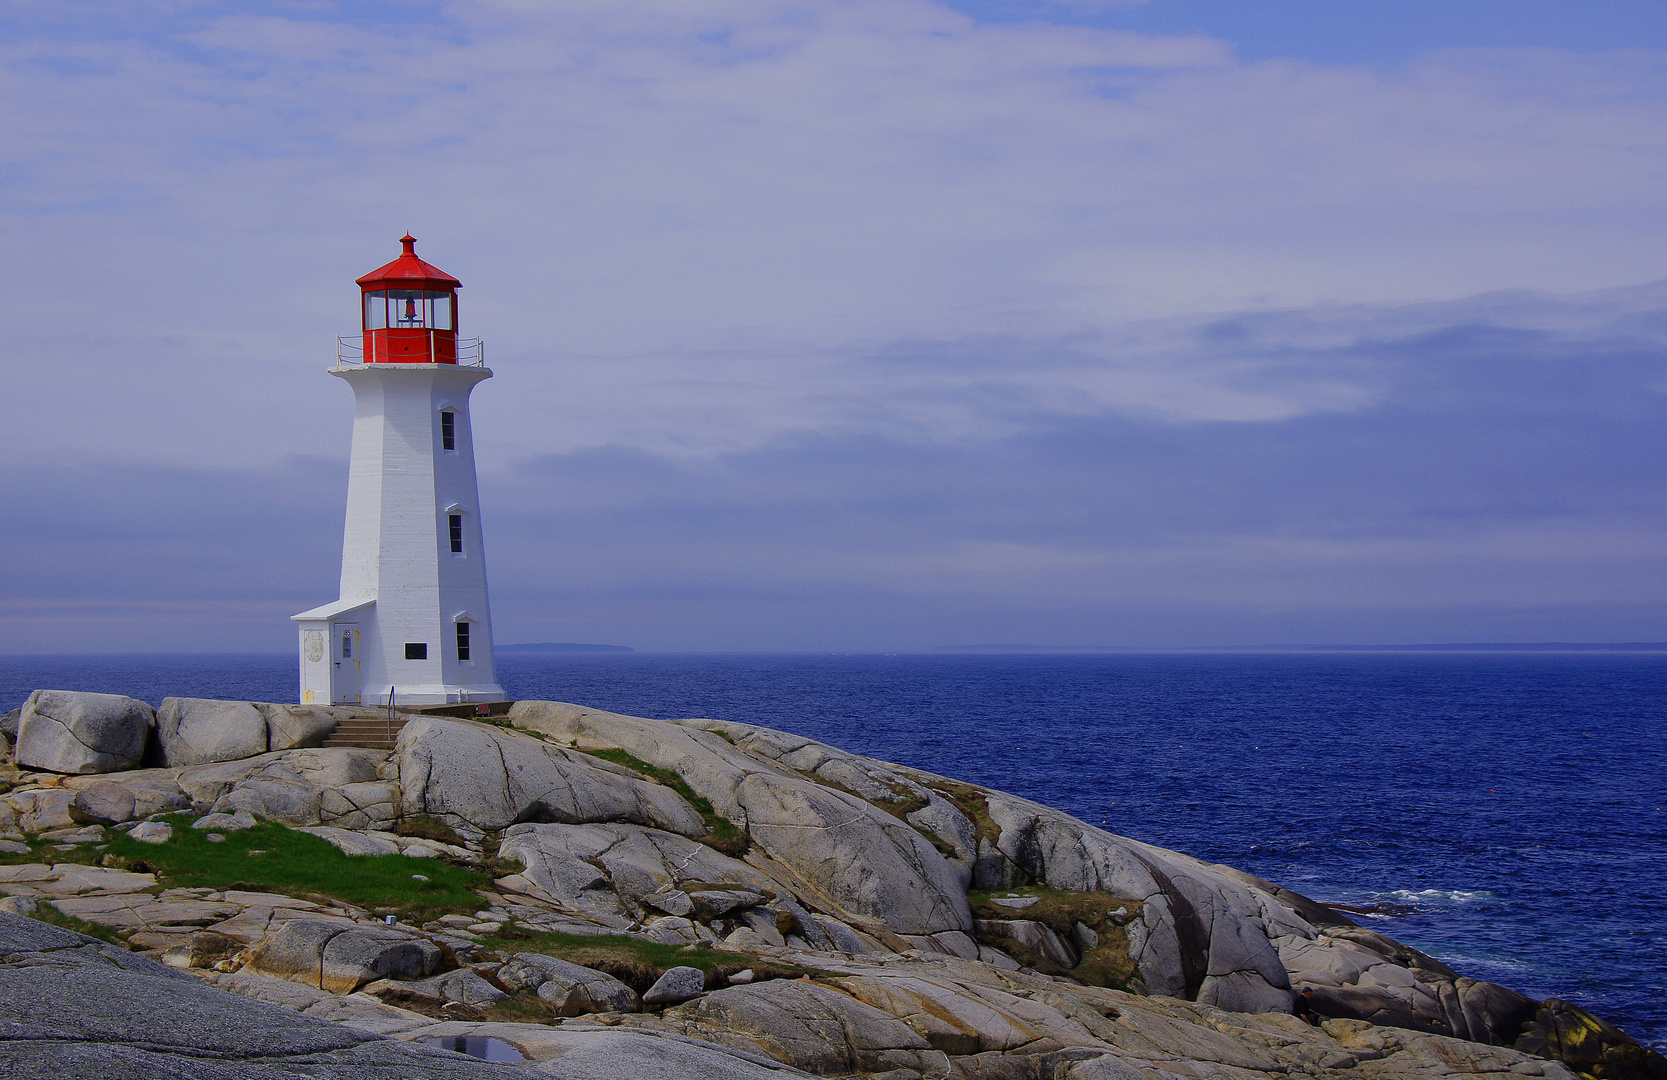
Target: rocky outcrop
{"x":197,"y":731}
{"x":856,"y":856}
{"x":841,"y":915}
{"x":621,"y":873}
{"x":815,"y":1027}
{"x":479,"y":778}
{"x":570,"y":989}
{"x":1570,"y":1034}
{"x":77,"y":1007}
{"x":68,"y":732}
{"x":288,"y":786}
{"x":341,"y":958}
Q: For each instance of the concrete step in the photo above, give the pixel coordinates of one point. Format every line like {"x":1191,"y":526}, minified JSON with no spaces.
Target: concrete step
{"x":376,"y":734}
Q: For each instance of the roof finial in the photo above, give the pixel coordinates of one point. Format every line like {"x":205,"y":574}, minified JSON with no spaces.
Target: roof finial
{"x":410,"y":243}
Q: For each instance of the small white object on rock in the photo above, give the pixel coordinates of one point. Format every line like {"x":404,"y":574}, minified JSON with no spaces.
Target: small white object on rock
{"x":678,"y":984}
{"x":152,"y":832}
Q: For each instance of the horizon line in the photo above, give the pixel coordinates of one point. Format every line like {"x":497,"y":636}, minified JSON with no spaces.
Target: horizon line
{"x":1507,"y":646}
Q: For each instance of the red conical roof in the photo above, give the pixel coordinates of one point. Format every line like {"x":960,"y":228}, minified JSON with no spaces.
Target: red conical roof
{"x":409,"y":272}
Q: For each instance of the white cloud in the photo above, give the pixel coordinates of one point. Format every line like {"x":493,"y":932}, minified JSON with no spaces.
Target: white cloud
{"x":718,"y":239}
{"x":654,"y":195}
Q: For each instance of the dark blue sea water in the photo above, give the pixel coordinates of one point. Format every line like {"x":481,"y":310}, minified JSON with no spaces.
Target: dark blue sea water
{"x":1513,"y":801}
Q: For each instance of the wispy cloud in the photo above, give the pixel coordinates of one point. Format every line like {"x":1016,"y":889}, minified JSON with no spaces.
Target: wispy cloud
{"x":795,"y":302}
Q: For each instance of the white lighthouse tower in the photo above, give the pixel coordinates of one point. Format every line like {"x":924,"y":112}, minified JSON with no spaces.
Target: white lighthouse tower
{"x":413,"y":620}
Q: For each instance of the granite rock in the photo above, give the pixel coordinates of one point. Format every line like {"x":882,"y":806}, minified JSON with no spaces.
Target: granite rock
{"x":572,"y":989}
{"x":196,"y":731}
{"x":102,"y":804}
{"x":76,"y":1007}
{"x":812,"y":1027}
{"x":66,"y":731}
{"x":675,"y":985}
{"x":857,"y":856}
{"x":480,"y":778}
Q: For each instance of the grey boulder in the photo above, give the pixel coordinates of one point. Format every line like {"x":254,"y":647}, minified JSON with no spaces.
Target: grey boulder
{"x":102,"y":803}
{"x":68,"y":731}
{"x":341,"y":958}
{"x":195,"y":731}
{"x":815,"y":1028}
{"x":677,"y":985}
{"x":1029,"y":941}
{"x":368,"y":806}
{"x":289,"y":727}
{"x":463,"y":986}
{"x":482,"y":778}
{"x":572,"y":989}
{"x":152,"y":832}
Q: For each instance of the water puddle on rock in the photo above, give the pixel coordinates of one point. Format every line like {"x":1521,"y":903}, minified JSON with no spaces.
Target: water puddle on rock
{"x":483,"y":1047}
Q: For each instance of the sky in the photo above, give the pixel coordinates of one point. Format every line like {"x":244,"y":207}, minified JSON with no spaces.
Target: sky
{"x":838,"y":325}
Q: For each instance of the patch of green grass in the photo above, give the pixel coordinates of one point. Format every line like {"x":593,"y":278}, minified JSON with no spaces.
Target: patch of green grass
{"x":428,"y":827}
{"x":971,"y":802}
{"x":46,"y":913}
{"x":1107,"y":964}
{"x":634,"y":961}
{"x":42,"y":851}
{"x":721,"y":833}
{"x":272,"y":858}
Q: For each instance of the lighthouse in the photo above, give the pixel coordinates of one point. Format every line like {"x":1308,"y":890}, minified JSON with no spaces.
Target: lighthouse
{"x":412,"y":626}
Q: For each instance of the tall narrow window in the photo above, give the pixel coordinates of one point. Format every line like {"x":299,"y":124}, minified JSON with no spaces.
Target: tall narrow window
{"x":448,"y":430}
{"x":463,"y":641}
{"x":455,"y":523}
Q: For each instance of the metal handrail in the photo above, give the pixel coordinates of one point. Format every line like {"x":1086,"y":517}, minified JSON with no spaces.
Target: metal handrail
{"x":350,"y":351}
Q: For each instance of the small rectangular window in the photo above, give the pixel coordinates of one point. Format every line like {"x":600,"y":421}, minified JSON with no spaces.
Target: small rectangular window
{"x":455,"y":523}
{"x":347,"y":645}
{"x":448,"y":431}
{"x":463,"y":641}
{"x":416,"y":650}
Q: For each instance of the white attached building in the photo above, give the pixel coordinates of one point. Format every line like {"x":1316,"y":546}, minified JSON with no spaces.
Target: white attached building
{"x":413,"y":619}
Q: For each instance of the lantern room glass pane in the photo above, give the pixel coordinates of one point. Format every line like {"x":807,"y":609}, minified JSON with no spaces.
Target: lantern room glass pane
{"x":414,"y":309}
{"x":439,"y":310}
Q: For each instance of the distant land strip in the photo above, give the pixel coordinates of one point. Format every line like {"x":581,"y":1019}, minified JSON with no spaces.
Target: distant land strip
{"x":562,"y":646}
{"x":1483,"y":646}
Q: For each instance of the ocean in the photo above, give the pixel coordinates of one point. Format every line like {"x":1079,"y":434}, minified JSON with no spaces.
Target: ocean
{"x":1507,"y":808}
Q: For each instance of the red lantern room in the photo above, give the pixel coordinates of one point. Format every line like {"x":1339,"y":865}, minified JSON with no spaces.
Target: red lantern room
{"x":410,"y":311}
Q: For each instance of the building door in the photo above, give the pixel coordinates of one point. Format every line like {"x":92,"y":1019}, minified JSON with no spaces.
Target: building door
{"x":344,"y":681}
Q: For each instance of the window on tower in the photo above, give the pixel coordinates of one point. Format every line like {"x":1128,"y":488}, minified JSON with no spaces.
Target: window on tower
{"x":454,"y":523}
{"x":463,"y":641}
{"x":448,"y":430}
{"x":416,"y":650}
